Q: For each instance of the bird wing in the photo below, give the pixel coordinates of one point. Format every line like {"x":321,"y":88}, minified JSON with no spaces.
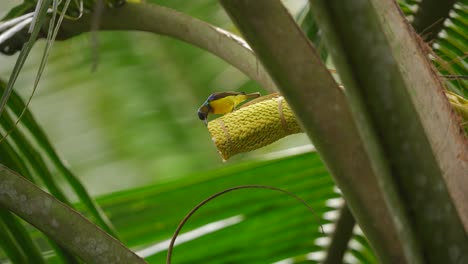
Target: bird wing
{"x":220,"y":95}
{"x":263,"y":98}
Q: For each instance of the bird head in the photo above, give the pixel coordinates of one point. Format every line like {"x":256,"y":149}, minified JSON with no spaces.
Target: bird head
{"x":203,"y":113}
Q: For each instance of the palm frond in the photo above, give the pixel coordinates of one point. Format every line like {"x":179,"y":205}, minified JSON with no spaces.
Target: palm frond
{"x":40,"y":18}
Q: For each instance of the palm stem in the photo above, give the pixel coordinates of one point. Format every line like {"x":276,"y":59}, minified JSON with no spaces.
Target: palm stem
{"x":321,"y":108}
{"x":394,"y":94}
{"x":341,"y":236}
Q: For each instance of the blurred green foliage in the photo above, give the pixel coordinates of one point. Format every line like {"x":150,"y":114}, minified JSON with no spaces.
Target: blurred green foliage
{"x":132,"y":123}
{"x":133,"y":120}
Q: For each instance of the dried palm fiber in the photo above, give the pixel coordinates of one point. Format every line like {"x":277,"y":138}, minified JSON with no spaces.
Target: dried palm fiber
{"x":258,"y":124}
{"x":460,"y":105}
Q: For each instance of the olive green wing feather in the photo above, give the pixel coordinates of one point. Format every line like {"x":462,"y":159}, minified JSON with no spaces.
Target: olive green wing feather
{"x":220,"y":95}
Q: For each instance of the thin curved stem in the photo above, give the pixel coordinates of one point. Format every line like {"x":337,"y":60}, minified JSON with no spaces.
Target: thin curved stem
{"x":212,"y":197}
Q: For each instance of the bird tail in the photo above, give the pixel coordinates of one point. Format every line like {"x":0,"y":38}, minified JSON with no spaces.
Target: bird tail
{"x":252,"y":95}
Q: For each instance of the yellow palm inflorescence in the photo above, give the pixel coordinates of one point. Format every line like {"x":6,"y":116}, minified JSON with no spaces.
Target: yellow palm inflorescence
{"x":253,"y":126}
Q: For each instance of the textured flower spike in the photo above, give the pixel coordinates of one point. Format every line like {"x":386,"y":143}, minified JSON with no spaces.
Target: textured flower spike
{"x":254,"y":126}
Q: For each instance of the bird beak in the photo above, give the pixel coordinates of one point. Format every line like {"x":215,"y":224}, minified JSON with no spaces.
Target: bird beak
{"x":206,"y":122}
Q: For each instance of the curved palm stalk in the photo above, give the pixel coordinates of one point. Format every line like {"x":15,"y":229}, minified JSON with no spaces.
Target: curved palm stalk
{"x":38,"y":165}
{"x":321,"y":107}
{"x":35,"y":159}
{"x":16,"y":105}
{"x":161,"y":20}
{"x":54,"y":218}
{"x":413,"y":139}
{"x":10,"y":157}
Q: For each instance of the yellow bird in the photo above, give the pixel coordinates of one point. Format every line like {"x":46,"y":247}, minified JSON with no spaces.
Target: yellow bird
{"x":223,"y":103}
